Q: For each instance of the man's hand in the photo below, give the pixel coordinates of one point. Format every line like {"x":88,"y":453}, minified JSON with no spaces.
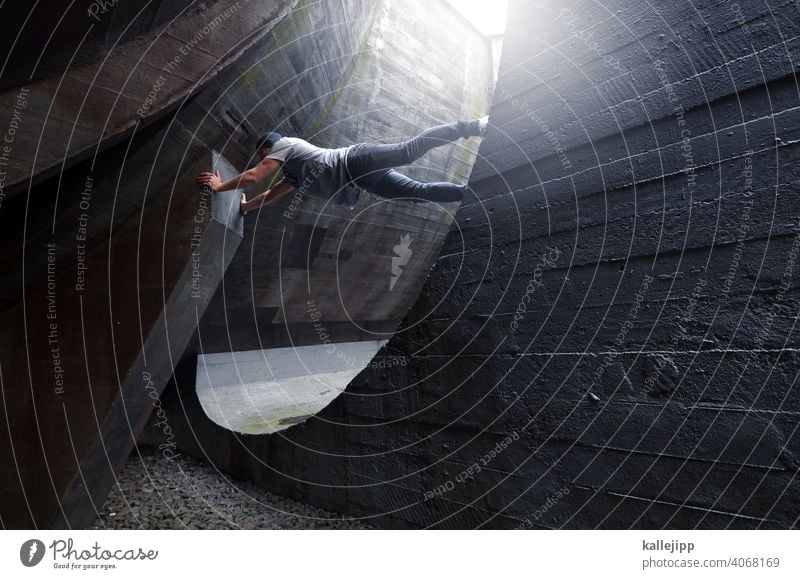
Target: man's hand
{"x":211,"y":180}
{"x":265,"y":198}
{"x":254,"y":175}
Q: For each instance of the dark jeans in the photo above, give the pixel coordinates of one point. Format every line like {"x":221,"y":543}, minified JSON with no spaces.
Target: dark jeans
{"x":371,"y":166}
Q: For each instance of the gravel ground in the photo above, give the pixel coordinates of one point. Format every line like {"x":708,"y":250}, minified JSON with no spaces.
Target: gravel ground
{"x":187,"y":493}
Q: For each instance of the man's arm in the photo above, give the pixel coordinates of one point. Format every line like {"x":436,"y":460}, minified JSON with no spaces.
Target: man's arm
{"x":265,"y":198}
{"x":254,"y":175}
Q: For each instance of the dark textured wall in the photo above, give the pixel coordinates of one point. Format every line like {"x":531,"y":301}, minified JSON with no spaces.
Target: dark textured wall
{"x":608,"y":337}
{"x":49,"y":35}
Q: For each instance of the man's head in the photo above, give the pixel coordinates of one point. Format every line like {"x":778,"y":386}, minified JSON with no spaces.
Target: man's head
{"x":266,"y":142}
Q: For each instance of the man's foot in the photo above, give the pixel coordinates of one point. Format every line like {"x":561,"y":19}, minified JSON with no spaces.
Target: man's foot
{"x":475,"y":128}
{"x":483,"y":122}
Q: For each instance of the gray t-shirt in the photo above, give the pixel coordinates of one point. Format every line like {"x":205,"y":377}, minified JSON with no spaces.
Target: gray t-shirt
{"x":312,"y":170}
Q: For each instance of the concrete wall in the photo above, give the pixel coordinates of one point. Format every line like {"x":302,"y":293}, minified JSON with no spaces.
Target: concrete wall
{"x":49,"y":35}
{"x":92,"y":103}
{"x":92,"y":261}
{"x":637,"y":197}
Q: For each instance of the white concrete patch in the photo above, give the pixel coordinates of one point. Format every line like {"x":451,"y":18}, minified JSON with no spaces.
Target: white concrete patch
{"x":265,"y":391}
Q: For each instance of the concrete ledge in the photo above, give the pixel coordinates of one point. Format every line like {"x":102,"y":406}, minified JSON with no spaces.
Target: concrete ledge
{"x":203,"y":268}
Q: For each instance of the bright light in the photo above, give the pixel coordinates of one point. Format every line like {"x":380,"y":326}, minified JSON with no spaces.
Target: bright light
{"x":490,"y":18}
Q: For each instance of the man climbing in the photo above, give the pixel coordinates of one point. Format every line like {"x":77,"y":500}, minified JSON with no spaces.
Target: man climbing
{"x":325,"y":173}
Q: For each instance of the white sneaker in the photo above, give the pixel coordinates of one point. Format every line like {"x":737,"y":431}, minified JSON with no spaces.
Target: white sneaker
{"x":483,"y":122}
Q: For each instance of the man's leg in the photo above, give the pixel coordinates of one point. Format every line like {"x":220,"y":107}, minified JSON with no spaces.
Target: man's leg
{"x":394,"y":185}
{"x":367,"y":158}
